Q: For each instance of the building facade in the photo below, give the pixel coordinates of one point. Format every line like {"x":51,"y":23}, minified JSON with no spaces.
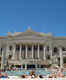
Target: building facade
{"x":32,"y":49}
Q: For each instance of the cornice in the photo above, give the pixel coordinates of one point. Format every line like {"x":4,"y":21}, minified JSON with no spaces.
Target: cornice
{"x":60,"y":38}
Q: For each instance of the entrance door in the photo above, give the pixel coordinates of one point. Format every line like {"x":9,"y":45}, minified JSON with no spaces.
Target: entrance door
{"x":31,"y":66}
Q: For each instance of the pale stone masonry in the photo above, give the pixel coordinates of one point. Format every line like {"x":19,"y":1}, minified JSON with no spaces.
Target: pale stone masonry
{"x":31,"y":48}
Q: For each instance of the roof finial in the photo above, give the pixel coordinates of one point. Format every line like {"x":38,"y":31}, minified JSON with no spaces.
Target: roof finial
{"x":29,"y":28}
{"x":9,"y":33}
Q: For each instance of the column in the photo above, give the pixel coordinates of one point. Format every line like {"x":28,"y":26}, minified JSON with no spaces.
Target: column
{"x":0,"y":51}
{"x":20,"y":57}
{"x":7,"y":50}
{"x":21,"y":67}
{"x":61,"y":57}
{"x":32,"y":51}
{"x":3,"y":61}
{"x":25,"y":66}
{"x":38,"y":50}
{"x":14,"y":55}
{"x":44,"y":51}
{"x":2,"y":64}
{"x":26,"y":51}
{"x":50,"y":51}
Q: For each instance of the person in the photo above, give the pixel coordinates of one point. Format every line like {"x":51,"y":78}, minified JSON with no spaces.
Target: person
{"x":0,"y":75}
{"x":5,"y":75}
{"x":23,"y":76}
{"x":32,"y":76}
{"x":40,"y":76}
{"x":59,"y":74}
{"x":51,"y":75}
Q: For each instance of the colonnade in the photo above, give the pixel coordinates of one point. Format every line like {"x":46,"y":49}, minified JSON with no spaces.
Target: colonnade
{"x":32,"y":51}
{"x":38,"y":52}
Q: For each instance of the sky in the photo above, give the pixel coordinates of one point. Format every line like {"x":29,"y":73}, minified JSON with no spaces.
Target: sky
{"x":41,"y":15}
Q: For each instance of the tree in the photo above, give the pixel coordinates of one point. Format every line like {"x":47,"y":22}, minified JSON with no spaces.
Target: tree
{"x":64,"y":60}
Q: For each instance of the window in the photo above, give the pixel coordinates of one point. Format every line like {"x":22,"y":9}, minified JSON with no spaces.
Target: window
{"x":55,"y":49}
{"x":63,"y":48}
{"x":1,"y":49}
{"x":48,"y":56}
{"x":10,"y":48}
{"x":10,"y":56}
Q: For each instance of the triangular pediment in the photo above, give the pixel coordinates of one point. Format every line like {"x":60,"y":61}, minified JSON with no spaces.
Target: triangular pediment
{"x":30,"y":34}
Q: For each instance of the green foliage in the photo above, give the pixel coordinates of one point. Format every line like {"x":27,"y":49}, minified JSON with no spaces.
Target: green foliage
{"x":23,"y":65}
{"x":49,"y":65}
{"x":64,"y":60}
{"x":22,"y":57}
{"x":48,"y":57}
{"x":38,"y":65}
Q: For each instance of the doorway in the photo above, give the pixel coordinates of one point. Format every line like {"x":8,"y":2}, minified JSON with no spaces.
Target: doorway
{"x":32,"y":66}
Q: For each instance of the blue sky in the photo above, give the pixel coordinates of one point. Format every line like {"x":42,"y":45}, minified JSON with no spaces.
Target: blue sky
{"x":42,"y":15}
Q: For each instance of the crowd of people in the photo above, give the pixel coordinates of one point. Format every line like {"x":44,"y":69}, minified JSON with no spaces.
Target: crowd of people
{"x":56,"y":74}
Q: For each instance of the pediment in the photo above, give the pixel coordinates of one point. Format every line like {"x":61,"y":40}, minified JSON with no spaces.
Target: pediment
{"x":27,"y":35}
{"x":30,"y":34}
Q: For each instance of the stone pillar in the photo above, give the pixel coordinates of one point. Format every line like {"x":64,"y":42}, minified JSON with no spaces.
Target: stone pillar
{"x":44,"y":51}
{"x":26,"y":51}
{"x":7,"y":50}
{"x":32,"y":51}
{"x":25,"y":66}
{"x":50,"y":51}
{"x":21,"y":67}
{"x":61,"y":57}
{"x":0,"y":50}
{"x":20,"y":57}
{"x":14,"y":55}
{"x":38,"y":51}
{"x":2,"y":62}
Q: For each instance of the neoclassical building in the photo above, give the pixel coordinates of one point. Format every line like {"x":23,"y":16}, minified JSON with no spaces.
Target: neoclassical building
{"x":32,"y":49}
